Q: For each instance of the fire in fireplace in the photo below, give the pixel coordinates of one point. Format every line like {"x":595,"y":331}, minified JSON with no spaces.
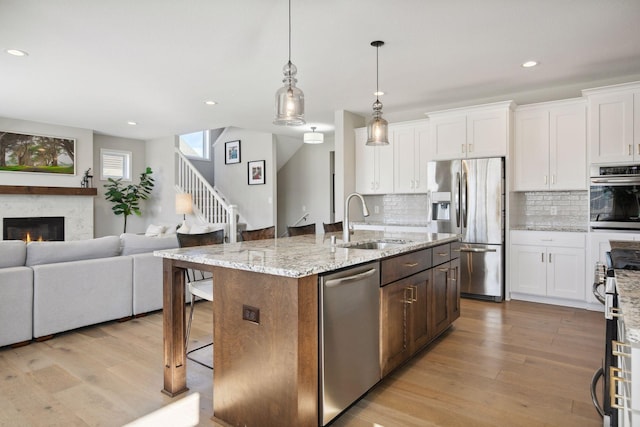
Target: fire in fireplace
{"x":33,"y":228}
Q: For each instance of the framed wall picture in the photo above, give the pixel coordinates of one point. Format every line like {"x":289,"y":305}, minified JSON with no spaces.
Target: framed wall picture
{"x":256,"y":172}
{"x":37,"y":153}
{"x":232,"y":152}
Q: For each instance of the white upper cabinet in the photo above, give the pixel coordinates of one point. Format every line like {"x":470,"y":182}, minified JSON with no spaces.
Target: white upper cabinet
{"x":481,"y":131}
{"x":613,"y":119}
{"x":374,"y":166}
{"x":550,"y":150}
{"x":411,"y":154}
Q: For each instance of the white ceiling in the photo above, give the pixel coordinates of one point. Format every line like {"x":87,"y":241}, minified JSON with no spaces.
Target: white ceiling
{"x":96,"y":64}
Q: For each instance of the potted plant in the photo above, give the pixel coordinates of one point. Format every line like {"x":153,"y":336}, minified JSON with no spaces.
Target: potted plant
{"x":126,"y":199}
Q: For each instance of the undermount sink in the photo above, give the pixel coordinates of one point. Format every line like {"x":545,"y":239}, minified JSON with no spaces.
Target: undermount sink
{"x":375,"y":244}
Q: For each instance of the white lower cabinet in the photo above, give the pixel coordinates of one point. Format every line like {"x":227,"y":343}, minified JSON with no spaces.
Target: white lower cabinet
{"x":548,"y":264}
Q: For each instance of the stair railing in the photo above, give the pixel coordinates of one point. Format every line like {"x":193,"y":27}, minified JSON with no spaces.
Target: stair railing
{"x":208,"y":205}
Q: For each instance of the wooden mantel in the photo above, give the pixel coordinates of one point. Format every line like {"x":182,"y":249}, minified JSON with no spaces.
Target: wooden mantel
{"x":47,"y":191}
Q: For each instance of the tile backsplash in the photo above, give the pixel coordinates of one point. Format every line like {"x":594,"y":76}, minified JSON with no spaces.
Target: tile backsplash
{"x":398,"y":209}
{"x":527,"y":209}
{"x":549,"y":209}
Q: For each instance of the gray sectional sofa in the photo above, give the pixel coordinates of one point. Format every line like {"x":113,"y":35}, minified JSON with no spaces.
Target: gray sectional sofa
{"x":51,"y":287}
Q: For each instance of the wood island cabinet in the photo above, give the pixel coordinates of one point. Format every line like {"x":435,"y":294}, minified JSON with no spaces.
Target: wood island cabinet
{"x":417,"y":302}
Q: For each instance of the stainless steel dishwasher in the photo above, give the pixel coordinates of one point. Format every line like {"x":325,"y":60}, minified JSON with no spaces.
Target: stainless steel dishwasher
{"x":349,"y":337}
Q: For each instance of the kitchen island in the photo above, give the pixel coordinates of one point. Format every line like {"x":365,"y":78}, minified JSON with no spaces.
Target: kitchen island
{"x":265,"y":326}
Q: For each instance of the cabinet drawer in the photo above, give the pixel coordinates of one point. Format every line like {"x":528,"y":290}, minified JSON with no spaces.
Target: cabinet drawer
{"x":442,"y":254}
{"x":548,"y":238}
{"x":455,"y":250}
{"x":405,"y":265}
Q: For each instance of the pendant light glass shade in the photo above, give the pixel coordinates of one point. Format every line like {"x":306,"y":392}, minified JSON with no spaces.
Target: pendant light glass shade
{"x":289,"y":98}
{"x":378,"y":127}
{"x":313,"y":137}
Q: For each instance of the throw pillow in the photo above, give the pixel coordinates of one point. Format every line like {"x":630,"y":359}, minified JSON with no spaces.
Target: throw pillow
{"x":154,"y":230}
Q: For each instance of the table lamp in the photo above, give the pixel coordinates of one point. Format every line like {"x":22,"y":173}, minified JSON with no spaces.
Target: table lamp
{"x":184,"y":206}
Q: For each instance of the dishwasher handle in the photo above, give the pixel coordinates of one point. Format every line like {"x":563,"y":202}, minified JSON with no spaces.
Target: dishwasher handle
{"x":478,"y":250}
{"x":345,"y":280}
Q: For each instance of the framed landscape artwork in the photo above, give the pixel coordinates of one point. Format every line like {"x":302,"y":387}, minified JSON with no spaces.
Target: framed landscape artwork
{"x":231,"y":152}
{"x":256,"y":172}
{"x":21,"y":152}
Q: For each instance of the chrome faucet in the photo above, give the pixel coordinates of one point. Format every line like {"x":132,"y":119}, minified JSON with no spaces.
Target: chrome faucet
{"x":346,"y":232}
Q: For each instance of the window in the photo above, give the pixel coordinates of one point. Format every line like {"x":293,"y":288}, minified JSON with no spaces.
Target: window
{"x":195,"y":144}
{"x":115,"y":164}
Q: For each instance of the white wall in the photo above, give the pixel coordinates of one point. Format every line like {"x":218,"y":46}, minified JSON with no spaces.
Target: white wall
{"x":106,"y":222}
{"x":304,"y":186}
{"x":345,"y":137}
{"x":256,"y":203}
{"x":161,"y":158}
{"x":83,"y":154}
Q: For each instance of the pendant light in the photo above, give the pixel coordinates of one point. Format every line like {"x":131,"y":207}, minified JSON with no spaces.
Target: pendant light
{"x":289,"y":98}
{"x":313,"y":137}
{"x":378,"y":127}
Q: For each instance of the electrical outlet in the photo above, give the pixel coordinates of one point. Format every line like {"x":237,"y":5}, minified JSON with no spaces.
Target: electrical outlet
{"x":304,"y":208}
{"x":252,"y":314}
{"x":553,"y":210}
{"x":376,"y":209}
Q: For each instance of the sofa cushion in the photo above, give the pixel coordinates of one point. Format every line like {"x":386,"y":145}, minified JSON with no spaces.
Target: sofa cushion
{"x":136,"y":243}
{"x":13,"y":253}
{"x":154,"y":230}
{"x":53,"y":252}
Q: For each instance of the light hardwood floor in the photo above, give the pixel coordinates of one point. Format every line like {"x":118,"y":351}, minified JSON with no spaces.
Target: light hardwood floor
{"x":508,"y":364}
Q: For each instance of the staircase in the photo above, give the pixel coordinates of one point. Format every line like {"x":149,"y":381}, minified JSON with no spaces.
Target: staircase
{"x":208,"y":205}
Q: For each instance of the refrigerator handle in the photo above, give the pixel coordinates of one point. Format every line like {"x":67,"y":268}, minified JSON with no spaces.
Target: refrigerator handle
{"x":429,"y":207}
{"x":465,"y":200}
{"x":457,"y":199}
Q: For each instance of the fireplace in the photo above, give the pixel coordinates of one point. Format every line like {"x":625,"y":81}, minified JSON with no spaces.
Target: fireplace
{"x":34,"y":228}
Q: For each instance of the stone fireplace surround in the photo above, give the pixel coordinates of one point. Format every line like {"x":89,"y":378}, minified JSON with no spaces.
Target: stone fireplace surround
{"x":74,"y":204}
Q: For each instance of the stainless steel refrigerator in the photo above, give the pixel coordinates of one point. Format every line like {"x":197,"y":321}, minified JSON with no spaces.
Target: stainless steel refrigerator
{"x":467,"y":197}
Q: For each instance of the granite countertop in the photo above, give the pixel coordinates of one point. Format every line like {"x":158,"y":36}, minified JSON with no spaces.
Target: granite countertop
{"x":628,"y":286}
{"x":303,"y":255}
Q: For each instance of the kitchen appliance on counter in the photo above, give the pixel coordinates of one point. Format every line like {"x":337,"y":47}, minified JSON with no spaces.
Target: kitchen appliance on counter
{"x":615,"y":197}
{"x":349,"y":337}
{"x":467,"y":197}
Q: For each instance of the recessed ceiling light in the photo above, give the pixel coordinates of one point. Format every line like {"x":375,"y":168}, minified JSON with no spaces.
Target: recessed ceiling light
{"x":210,"y":102}
{"x":132,"y":123}
{"x":16,"y":52}
{"x":529,"y":64}
{"x":378,"y":93}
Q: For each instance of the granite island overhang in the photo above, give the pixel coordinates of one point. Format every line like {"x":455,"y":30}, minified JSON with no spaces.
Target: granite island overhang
{"x":266,"y":372}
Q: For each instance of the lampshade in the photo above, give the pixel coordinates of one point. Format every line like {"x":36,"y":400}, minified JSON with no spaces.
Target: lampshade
{"x":313,"y":137}
{"x":289,"y":98}
{"x":378,"y":127}
{"x":184,"y":204}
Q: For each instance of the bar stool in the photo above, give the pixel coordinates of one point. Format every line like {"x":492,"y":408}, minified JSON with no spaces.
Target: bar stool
{"x":260,"y":234}
{"x":198,"y":283}
{"x":301,"y":230}
{"x":334,"y":226}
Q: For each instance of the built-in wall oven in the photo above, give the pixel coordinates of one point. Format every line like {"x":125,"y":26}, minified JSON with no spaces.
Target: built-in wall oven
{"x":615,"y":197}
